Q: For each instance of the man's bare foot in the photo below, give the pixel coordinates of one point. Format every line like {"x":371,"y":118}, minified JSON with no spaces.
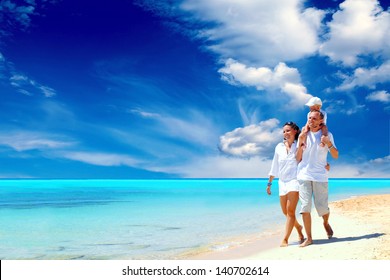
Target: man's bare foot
{"x":284,"y":243}
{"x":329,"y":230}
{"x":307,"y":242}
{"x":300,"y":234}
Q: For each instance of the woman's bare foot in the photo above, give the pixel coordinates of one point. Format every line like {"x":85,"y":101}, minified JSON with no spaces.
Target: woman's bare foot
{"x":307,"y":242}
{"x":284,"y":243}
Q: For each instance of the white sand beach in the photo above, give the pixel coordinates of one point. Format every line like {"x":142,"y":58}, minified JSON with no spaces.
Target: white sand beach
{"x":361,"y":228}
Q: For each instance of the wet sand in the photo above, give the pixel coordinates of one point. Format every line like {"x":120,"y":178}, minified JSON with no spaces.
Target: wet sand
{"x":361,"y":228}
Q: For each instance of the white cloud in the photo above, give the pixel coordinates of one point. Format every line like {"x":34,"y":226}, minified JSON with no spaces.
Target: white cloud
{"x":375,"y":168}
{"x":282,"y":78}
{"x":380,"y":96}
{"x":197,"y":130}
{"x":257,"y":167}
{"x":47,"y":91}
{"x":27,"y":86}
{"x":28,"y":140}
{"x":252,"y":140}
{"x":359,"y":28}
{"x":22,"y":83}
{"x":219,"y":167}
{"x":144,"y":114}
{"x":195,"y":127}
{"x":363,"y":77}
{"x":348,"y":107}
{"x":4,"y":68}
{"x":258,"y":31}
{"x":56,"y":146}
{"x":15,"y":176}
{"x":98,"y":158}
{"x":13,"y":15}
{"x":296,"y":93}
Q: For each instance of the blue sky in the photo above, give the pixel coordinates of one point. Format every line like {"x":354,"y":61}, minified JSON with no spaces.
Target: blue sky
{"x":188,"y":89}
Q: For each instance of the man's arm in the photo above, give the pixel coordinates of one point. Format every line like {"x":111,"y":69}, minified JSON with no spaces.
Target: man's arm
{"x":332,"y":149}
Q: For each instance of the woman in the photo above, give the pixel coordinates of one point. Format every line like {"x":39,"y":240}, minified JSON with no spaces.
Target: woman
{"x":284,"y":165}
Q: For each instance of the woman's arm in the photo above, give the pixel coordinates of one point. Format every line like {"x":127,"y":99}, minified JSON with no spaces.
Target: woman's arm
{"x":270,"y":184}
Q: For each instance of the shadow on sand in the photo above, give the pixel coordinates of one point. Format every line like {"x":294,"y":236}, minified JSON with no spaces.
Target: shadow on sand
{"x":347,"y":239}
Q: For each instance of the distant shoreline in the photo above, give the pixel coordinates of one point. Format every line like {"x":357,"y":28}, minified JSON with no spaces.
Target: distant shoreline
{"x":167,"y":179}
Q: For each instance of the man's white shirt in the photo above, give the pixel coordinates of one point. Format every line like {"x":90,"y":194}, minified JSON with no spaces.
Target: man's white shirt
{"x":314,"y":158}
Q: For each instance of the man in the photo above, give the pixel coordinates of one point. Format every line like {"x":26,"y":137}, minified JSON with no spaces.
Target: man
{"x":312,"y":175}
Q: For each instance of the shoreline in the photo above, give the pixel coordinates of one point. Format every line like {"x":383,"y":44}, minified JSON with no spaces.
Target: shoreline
{"x":361,"y":228}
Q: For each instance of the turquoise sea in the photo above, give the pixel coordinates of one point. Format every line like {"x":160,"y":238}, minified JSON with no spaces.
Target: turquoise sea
{"x":140,"y":219}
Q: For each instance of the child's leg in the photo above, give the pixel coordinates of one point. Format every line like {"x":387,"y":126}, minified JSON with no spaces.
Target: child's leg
{"x":324,"y":130}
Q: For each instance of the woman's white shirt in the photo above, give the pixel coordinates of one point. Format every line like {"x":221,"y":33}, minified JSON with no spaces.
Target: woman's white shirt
{"x":284,"y":164}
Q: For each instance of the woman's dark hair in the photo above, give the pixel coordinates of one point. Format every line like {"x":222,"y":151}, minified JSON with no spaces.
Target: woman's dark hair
{"x":295,"y":127}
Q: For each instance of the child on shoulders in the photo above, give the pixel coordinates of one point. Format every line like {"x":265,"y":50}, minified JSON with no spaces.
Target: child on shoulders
{"x":315,"y":103}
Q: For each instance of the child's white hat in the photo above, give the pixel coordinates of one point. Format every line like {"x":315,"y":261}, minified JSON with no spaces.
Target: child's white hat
{"x":314,"y":101}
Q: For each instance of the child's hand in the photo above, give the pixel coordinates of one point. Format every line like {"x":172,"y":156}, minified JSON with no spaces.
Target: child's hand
{"x":305,"y":129}
{"x":326,"y":140}
{"x":302,"y":137}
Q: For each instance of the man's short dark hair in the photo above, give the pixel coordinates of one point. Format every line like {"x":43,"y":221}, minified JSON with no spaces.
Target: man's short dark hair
{"x":321,"y":114}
